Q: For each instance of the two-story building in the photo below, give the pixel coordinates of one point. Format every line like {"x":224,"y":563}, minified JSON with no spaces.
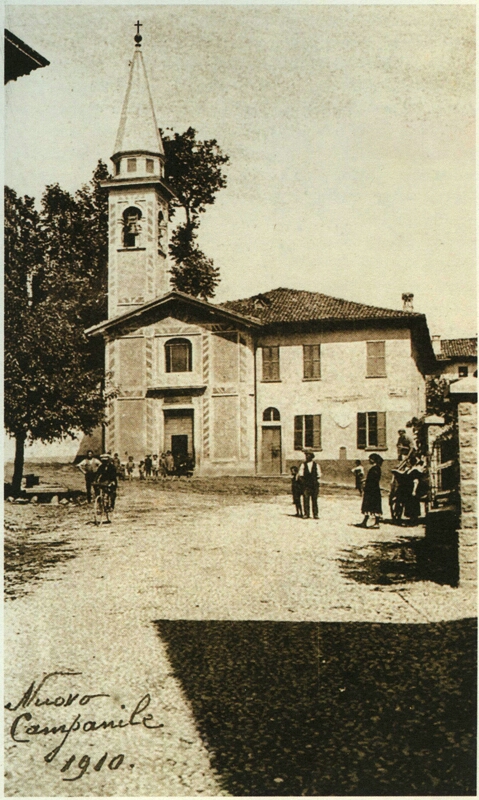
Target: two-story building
{"x":244,"y":386}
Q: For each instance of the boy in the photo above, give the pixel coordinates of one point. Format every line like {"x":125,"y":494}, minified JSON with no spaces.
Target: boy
{"x":297,"y":491}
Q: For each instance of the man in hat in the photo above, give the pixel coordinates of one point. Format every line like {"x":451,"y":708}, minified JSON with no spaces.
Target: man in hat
{"x":106,"y":476}
{"x":309,"y":474}
{"x":89,"y":467}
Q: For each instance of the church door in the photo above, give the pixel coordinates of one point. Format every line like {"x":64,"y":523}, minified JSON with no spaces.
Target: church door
{"x":179,"y":434}
{"x":271,"y":451}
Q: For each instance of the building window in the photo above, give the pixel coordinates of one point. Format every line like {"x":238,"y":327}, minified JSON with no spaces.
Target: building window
{"x":311,"y":362}
{"x":131,"y":164}
{"x":372,"y":430}
{"x":150,"y":165}
{"x":307,"y":432}
{"x":271,"y":415}
{"x":376,"y":359}
{"x":271,"y":363}
{"x":117,"y":168}
{"x":178,"y":355}
{"x":463,"y":372}
{"x":131,"y":226}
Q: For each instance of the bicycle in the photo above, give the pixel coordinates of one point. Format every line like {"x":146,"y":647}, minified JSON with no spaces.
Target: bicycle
{"x":103,"y":503}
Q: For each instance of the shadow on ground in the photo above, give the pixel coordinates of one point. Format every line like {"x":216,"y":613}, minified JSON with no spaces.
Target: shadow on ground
{"x":331,"y":708}
{"x":28,"y":559}
{"x":406,"y":559}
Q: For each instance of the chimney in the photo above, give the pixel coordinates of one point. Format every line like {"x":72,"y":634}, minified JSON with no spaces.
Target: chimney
{"x":407,"y":302}
{"x":436,"y":344}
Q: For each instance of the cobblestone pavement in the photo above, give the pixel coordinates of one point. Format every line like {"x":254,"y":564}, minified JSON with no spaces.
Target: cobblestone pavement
{"x":174,"y":556}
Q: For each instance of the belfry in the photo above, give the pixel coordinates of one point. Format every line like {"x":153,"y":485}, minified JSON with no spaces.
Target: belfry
{"x":138,"y":200}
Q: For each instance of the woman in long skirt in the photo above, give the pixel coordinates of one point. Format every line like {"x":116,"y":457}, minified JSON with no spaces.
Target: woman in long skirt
{"x":371,"y":505}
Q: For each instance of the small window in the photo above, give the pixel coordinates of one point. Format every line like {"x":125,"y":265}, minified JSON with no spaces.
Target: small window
{"x":131,"y":164}
{"x":463,"y":372}
{"x":371,"y":430}
{"x":271,"y":363}
{"x":271,"y":415}
{"x":307,"y":431}
{"x":117,"y":168}
{"x":131,"y":226}
{"x":311,"y":362}
{"x":150,"y":165}
{"x":376,"y":359}
{"x":178,"y":355}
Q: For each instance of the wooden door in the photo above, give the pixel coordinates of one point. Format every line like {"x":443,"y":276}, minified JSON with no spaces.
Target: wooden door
{"x":271,"y":451}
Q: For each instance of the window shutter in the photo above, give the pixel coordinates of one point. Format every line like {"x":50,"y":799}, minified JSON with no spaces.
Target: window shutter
{"x":307,"y":362}
{"x":274,"y":364}
{"x":381,"y":429}
{"x":361,"y":431}
{"x":317,"y":431}
{"x":316,"y":361}
{"x":308,"y":430}
{"x":271,"y":363}
{"x":376,"y":359}
{"x":311,"y":361}
{"x":298,"y":433}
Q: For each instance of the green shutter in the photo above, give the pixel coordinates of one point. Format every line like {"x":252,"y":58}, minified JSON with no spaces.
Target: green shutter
{"x":361,"y":431}
{"x":298,"y":433}
{"x":381,"y":417}
{"x":316,"y":361}
{"x":274,"y":363}
{"x":266,"y":364}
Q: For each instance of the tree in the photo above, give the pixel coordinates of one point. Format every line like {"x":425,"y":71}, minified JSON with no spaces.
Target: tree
{"x":194,"y":170}
{"x":55,"y":286}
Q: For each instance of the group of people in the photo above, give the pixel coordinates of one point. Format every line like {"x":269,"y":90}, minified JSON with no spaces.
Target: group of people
{"x":408,"y":481}
{"x":153,"y":467}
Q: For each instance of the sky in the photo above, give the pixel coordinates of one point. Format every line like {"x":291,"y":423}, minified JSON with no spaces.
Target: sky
{"x":350,"y":130}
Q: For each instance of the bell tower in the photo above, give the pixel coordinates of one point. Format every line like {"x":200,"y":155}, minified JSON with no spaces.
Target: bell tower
{"x":138,"y":200}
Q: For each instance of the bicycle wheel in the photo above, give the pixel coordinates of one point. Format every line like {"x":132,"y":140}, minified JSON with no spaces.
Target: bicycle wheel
{"x":107,"y":507}
{"x":99,"y":509}
{"x":397,"y":508}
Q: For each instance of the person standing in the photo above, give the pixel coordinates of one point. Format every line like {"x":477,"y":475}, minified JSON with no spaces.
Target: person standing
{"x":148,"y":466}
{"x":371,"y":505}
{"x":296,"y":491}
{"x":155,"y":467}
{"x":309,"y":474}
{"x":89,"y":467}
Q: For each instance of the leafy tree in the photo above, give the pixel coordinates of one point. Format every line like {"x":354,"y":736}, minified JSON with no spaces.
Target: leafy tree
{"x":194,"y":170}
{"x":55,"y":286}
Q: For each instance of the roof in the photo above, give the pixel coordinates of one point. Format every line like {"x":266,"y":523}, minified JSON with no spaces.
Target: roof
{"x":293,"y":305}
{"x":171,"y":304}
{"x":138,"y":129}
{"x":20,"y":58}
{"x":458,"y":348}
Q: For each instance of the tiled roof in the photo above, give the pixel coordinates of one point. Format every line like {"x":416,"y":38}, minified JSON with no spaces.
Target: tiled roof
{"x":292,"y":305}
{"x":458,"y":348}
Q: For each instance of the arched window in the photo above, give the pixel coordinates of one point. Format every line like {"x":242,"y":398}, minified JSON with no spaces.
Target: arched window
{"x":178,"y":355}
{"x":131,"y":226}
{"x":271,"y":415}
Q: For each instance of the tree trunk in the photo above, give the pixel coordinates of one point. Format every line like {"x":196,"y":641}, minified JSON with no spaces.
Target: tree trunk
{"x":18,"y":465}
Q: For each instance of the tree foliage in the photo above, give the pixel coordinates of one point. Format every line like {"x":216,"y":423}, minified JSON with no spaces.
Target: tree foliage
{"x":55,"y":286}
{"x":194,"y":170}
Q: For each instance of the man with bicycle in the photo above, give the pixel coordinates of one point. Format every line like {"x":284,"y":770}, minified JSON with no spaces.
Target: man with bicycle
{"x":106,"y":478}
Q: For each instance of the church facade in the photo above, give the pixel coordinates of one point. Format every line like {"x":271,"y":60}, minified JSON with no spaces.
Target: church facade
{"x":245,"y":386}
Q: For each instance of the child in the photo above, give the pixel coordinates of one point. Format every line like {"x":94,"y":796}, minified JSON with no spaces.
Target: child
{"x":358,"y":473}
{"x":142,"y":470}
{"x":130,"y":466}
{"x":297,"y":491}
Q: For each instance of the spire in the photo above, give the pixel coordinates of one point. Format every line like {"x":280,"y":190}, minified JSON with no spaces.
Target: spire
{"x":138,"y":130}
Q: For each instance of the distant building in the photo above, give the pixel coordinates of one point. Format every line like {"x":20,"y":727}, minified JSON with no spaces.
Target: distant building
{"x":244,"y":386}
{"x":457,"y":358}
{"x":20,"y":59}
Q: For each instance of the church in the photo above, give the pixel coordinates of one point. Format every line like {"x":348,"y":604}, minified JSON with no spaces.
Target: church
{"x":241,"y":387}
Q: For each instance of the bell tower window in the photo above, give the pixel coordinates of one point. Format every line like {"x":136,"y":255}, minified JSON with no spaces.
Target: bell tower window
{"x":131,"y":226}
{"x":131,"y":164}
{"x":150,"y":165}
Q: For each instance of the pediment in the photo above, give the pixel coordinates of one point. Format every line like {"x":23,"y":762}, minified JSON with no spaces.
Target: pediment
{"x":170,"y":326}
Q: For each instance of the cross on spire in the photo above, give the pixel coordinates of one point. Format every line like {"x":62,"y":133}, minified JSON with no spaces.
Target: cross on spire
{"x":138,"y":38}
